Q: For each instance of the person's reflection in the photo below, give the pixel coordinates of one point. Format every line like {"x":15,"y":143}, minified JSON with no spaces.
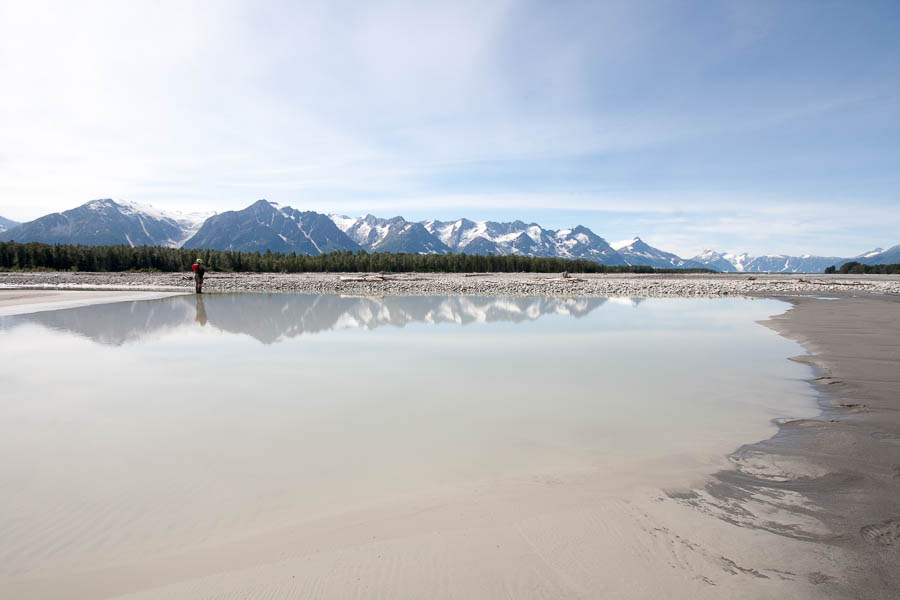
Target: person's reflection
{"x":201,"y":310}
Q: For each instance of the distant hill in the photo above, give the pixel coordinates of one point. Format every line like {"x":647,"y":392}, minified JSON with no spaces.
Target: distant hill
{"x":770,"y":263}
{"x":7,"y":224}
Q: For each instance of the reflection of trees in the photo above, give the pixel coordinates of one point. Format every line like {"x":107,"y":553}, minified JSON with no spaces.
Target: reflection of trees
{"x":271,"y":317}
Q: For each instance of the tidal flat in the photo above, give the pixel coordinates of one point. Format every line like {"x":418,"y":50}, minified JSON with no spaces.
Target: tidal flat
{"x":291,"y":445}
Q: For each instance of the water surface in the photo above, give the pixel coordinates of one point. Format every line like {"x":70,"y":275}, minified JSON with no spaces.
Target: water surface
{"x":142,"y":428}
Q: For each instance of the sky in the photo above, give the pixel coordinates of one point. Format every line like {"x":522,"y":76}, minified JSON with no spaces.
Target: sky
{"x":765,"y":127}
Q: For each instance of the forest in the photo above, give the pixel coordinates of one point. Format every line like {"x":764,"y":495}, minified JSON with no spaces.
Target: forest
{"x":857,"y":268}
{"x":33,"y":256}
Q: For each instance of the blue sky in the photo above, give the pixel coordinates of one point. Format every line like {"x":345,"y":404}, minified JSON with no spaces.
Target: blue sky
{"x":741,"y":126}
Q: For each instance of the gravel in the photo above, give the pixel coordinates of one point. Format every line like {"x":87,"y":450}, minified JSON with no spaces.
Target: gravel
{"x":475,"y":284}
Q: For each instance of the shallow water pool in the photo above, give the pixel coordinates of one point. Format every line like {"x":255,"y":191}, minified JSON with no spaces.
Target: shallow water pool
{"x":135,"y":429}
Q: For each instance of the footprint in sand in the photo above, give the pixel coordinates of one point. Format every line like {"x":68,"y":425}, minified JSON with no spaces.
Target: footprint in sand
{"x":883,"y":534}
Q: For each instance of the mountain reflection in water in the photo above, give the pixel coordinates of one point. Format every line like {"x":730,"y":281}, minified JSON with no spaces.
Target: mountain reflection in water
{"x":270,"y":318}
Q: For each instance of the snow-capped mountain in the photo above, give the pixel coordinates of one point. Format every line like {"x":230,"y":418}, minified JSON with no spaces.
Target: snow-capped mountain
{"x":869,"y":254}
{"x":770,"y":263}
{"x":783,"y":263}
{"x":475,"y":237}
{"x":109,"y":222}
{"x":637,"y":252}
{"x":7,"y":224}
{"x":188,"y":223}
{"x":780,"y":263}
{"x":390,"y":235}
{"x":716,"y":260}
{"x":891,"y":256}
{"x":740,"y":261}
{"x":517,"y":237}
{"x":266,"y":225}
{"x":581,"y":242}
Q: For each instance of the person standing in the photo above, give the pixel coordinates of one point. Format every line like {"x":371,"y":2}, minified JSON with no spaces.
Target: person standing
{"x":199,"y":271}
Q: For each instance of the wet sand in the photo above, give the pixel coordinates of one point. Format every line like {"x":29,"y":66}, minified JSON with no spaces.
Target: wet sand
{"x":812,"y":512}
{"x":848,"y":459}
{"x":23,"y":301}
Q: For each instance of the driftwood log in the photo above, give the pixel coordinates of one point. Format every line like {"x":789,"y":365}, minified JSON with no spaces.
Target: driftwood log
{"x":820,"y":282}
{"x":379,"y":277}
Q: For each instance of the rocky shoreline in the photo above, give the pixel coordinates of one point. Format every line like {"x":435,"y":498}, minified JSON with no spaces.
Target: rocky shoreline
{"x":482,"y":284}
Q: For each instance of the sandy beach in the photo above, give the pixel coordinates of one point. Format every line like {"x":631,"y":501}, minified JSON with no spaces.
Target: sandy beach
{"x":812,"y":512}
{"x":23,"y":301}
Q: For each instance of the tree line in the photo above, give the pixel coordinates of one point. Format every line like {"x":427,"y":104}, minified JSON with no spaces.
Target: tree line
{"x":857,"y":268}
{"x":63,"y":257}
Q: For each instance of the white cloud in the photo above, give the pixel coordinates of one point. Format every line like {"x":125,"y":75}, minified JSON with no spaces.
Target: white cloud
{"x":409,"y":106}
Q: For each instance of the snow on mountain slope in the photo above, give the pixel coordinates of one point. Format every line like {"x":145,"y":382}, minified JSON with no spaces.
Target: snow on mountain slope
{"x":625,"y":243}
{"x":891,"y":256}
{"x":518,"y":237}
{"x":870,"y":253}
{"x":637,"y":252}
{"x":390,"y":235}
{"x":715,"y":260}
{"x":770,"y":263}
{"x":188,"y":223}
{"x":267,"y":225}
{"x":7,"y":224}
{"x":109,"y":222}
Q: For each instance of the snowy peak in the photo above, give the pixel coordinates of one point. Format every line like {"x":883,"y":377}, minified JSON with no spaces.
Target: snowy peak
{"x":891,"y":256}
{"x":109,"y":222}
{"x":268,"y":225}
{"x":626,"y":243}
{"x":188,"y":223}
{"x":475,"y":237}
{"x":870,"y":253}
{"x":390,"y":235}
{"x":518,"y":237}
{"x":715,"y":260}
{"x":770,"y":263}
{"x":639,"y":253}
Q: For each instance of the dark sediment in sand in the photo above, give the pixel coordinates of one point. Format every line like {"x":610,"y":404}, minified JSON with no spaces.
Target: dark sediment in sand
{"x":842,"y":469}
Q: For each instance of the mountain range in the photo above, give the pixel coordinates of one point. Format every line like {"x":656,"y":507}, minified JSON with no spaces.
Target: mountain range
{"x":266,"y":225}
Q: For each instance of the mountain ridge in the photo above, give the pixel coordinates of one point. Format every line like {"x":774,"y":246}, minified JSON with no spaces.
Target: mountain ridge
{"x":108,"y":222}
{"x":266,"y":225}
{"x":7,"y":224}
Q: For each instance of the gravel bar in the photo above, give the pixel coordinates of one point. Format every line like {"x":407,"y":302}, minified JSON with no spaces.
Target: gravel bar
{"x":474,"y":284}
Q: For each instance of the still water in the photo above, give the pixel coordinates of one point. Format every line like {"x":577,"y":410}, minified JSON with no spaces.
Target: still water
{"x":141,"y":428}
